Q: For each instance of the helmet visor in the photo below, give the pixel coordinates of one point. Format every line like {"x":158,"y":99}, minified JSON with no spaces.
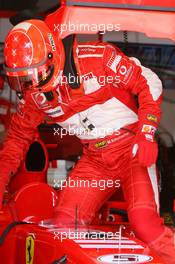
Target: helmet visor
{"x":29,"y":78}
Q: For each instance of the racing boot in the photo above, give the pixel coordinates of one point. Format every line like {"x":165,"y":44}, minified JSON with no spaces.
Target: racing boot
{"x":164,"y":246}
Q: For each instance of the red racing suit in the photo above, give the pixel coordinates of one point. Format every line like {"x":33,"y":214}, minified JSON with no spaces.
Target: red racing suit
{"x":104,"y":102}
{"x":103,"y":113}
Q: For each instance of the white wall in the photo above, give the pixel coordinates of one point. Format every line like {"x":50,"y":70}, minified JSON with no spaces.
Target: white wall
{"x":168,"y":115}
{"x":5,"y":26}
{"x":135,"y":37}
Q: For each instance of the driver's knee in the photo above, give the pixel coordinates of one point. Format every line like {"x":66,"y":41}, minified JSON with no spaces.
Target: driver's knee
{"x":146,"y":223}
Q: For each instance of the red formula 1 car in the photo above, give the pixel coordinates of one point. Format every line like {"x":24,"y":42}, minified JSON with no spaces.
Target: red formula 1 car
{"x":27,"y":235}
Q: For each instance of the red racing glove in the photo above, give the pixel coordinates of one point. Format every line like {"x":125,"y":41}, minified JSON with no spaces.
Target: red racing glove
{"x":145,"y":147}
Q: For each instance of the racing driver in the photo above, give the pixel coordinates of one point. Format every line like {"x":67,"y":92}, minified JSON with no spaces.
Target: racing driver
{"x":117,"y":132}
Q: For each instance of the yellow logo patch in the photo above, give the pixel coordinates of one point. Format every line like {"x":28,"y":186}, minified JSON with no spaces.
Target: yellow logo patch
{"x":30,"y":244}
{"x":101,"y":144}
{"x":152,"y":118}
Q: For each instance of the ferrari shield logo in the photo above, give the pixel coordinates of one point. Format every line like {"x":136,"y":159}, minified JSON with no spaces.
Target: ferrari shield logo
{"x":30,"y":243}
